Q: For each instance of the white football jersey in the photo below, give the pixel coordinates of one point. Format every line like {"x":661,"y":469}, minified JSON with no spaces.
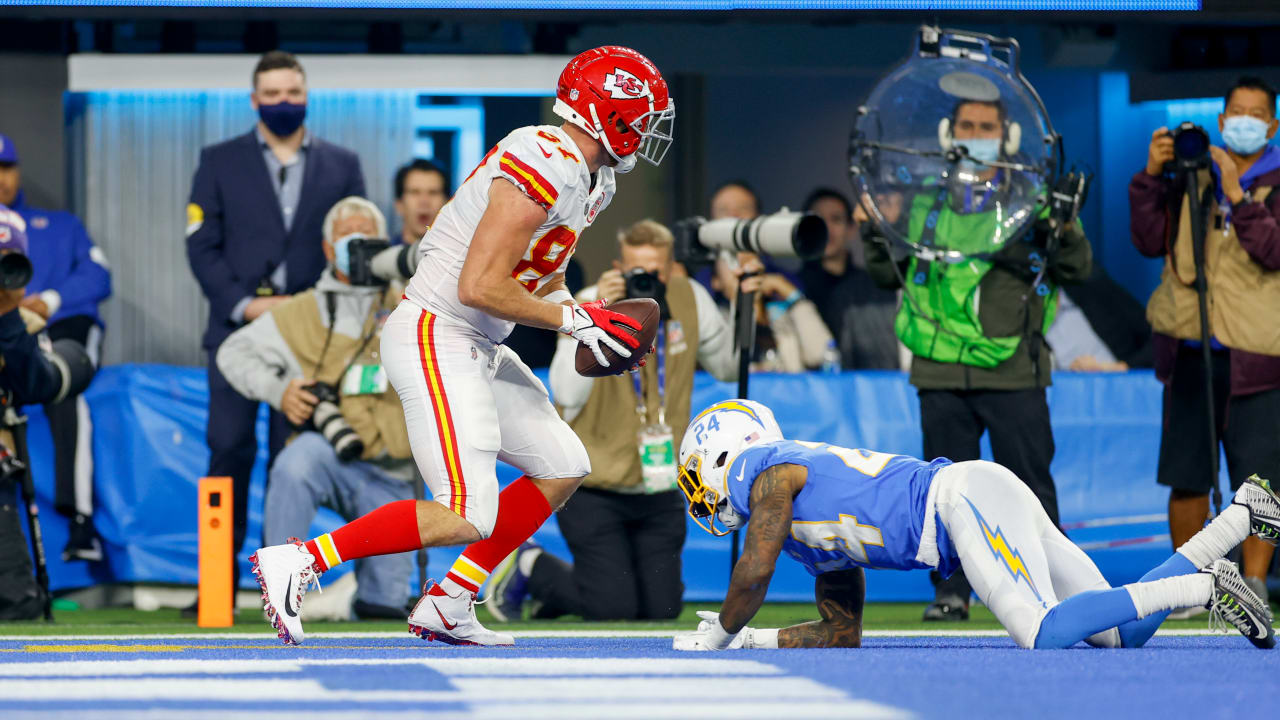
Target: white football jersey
{"x":544,"y":163}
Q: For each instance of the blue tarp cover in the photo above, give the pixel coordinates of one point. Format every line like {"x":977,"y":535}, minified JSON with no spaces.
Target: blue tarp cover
{"x":149,"y":452}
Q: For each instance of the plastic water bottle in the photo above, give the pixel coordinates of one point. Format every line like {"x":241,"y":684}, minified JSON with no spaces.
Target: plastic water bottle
{"x":831,"y":358}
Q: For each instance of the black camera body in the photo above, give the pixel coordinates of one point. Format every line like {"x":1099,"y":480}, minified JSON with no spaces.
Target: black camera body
{"x":643,"y":284}
{"x":1190,"y":147}
{"x":328,"y":421}
{"x":15,"y":270}
{"x":361,"y":252}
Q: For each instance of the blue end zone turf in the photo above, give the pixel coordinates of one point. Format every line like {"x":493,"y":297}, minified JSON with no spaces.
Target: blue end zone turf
{"x":367,"y":677}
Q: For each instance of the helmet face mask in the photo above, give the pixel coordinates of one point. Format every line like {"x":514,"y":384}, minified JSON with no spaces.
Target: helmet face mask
{"x":712,"y":442}
{"x":619,"y":98}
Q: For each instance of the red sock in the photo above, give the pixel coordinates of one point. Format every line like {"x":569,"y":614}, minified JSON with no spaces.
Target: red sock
{"x":521,"y":511}
{"x":391,"y":528}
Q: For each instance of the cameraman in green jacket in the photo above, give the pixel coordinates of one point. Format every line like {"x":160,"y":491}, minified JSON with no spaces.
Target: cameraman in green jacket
{"x":976,"y":327}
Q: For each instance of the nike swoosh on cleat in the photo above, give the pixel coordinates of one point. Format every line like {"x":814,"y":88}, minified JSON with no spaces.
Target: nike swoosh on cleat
{"x":288,"y":597}
{"x":447,"y":626}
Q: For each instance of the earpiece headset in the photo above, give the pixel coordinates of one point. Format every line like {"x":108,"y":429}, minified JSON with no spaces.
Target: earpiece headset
{"x":1012,"y":136}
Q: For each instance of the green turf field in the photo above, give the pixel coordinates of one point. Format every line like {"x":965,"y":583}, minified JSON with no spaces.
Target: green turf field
{"x":878,"y":616}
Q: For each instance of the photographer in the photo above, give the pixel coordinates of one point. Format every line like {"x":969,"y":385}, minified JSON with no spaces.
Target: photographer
{"x":626,"y":525}
{"x":32,"y":370}
{"x":858,"y":312}
{"x":984,"y":369}
{"x":70,"y":279}
{"x":1242,"y":251}
{"x":315,"y":359}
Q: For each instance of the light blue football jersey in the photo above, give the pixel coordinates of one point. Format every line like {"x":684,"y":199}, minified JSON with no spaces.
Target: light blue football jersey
{"x":857,"y":507}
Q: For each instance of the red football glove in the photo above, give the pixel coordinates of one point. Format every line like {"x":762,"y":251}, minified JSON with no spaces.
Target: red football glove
{"x":592,"y":324}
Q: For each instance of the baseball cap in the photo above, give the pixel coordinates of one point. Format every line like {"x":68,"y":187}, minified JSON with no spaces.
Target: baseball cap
{"x":8,"y":152}
{"x":13,"y":231}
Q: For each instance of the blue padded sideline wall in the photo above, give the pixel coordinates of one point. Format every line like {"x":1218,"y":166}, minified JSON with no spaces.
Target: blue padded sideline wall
{"x":149,"y":451}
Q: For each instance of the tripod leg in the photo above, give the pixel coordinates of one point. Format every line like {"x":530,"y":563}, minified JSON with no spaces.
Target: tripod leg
{"x":33,"y":519}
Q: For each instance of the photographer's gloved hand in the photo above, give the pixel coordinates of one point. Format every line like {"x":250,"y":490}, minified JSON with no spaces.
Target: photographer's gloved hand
{"x":297,"y":403}
{"x":592,"y":324}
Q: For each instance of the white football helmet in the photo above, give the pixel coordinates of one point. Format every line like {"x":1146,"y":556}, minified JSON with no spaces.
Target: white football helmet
{"x":714,"y":439}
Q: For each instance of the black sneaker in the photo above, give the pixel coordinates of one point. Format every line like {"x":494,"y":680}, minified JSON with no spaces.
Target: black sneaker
{"x":1257,"y":495}
{"x":1235,"y":604}
{"x":948,"y":608}
{"x":83,"y":543}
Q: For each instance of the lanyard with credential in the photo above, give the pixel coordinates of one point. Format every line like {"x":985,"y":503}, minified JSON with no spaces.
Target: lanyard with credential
{"x":642,"y":408}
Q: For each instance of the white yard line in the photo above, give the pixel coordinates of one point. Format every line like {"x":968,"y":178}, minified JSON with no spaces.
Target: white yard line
{"x":92,"y":639}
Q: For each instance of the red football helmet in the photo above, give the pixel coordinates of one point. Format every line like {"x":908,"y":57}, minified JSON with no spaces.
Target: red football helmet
{"x":619,"y":98}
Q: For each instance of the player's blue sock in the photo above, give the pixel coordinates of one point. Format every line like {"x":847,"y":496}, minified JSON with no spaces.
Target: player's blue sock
{"x":1083,"y":615}
{"x":1135,"y":634}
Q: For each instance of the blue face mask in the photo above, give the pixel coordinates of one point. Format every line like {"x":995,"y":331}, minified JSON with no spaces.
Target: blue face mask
{"x":283,"y":118}
{"x":982,"y":150}
{"x":1243,"y":134}
{"x":342,"y":253}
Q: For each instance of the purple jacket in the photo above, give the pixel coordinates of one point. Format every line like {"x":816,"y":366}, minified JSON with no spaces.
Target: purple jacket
{"x":1154,"y":205}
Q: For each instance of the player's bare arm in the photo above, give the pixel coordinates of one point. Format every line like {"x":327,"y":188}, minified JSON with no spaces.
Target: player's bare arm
{"x":771,"y":500}
{"x":840,"y":595}
{"x":501,"y":239}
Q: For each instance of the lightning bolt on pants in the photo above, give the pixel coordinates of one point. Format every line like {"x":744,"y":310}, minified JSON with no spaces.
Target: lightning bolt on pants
{"x":1018,"y":562}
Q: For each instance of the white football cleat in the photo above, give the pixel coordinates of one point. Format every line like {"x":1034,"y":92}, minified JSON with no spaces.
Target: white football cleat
{"x":452,"y":619}
{"x":285,"y":573}
{"x":1257,"y":495}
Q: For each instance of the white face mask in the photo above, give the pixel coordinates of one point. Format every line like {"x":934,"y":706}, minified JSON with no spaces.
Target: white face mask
{"x":982,"y":150}
{"x":1243,"y":134}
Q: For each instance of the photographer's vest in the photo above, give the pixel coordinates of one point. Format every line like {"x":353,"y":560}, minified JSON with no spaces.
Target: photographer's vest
{"x":947,"y":328}
{"x":1241,"y":293}
{"x":609,"y":424}
{"x":35,"y":324}
{"x":377,"y":418}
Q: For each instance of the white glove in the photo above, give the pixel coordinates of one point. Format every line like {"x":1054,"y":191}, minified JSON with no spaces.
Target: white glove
{"x":591,"y":324}
{"x":710,"y":635}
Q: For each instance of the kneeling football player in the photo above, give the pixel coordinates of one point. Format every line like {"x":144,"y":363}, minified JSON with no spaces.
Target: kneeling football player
{"x":837,"y":510}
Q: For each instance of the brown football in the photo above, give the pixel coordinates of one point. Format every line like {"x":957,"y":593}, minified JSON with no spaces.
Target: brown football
{"x":643,"y":311}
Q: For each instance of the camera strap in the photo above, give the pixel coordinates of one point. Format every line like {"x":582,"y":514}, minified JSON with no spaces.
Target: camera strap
{"x":371,"y":323}
{"x":641,"y":408}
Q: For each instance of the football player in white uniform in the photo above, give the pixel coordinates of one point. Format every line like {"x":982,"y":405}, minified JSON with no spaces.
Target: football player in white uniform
{"x":494,"y":257}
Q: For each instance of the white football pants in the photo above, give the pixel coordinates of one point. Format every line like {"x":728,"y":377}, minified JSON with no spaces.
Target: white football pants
{"x":1019,"y":563}
{"x":467,"y":403}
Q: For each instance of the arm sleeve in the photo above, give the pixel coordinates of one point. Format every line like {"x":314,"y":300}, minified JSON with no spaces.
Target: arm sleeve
{"x":1148,"y":216}
{"x":205,"y":244}
{"x":1258,"y":231}
{"x":1074,"y":261}
{"x":257,"y":362}
{"x":715,"y":337}
{"x":880,"y":260}
{"x":89,"y":280}
{"x":355,"y":180}
{"x":569,"y":389}
{"x":25,"y":371}
{"x":810,"y":331}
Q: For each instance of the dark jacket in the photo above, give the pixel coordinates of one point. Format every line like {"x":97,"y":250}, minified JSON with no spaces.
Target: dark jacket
{"x":1154,"y":205}
{"x":236,"y":235}
{"x":1002,"y":312}
{"x":25,"y":371}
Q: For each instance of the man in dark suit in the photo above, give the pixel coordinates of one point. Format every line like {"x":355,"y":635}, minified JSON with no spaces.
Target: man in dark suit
{"x":254,"y":229}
